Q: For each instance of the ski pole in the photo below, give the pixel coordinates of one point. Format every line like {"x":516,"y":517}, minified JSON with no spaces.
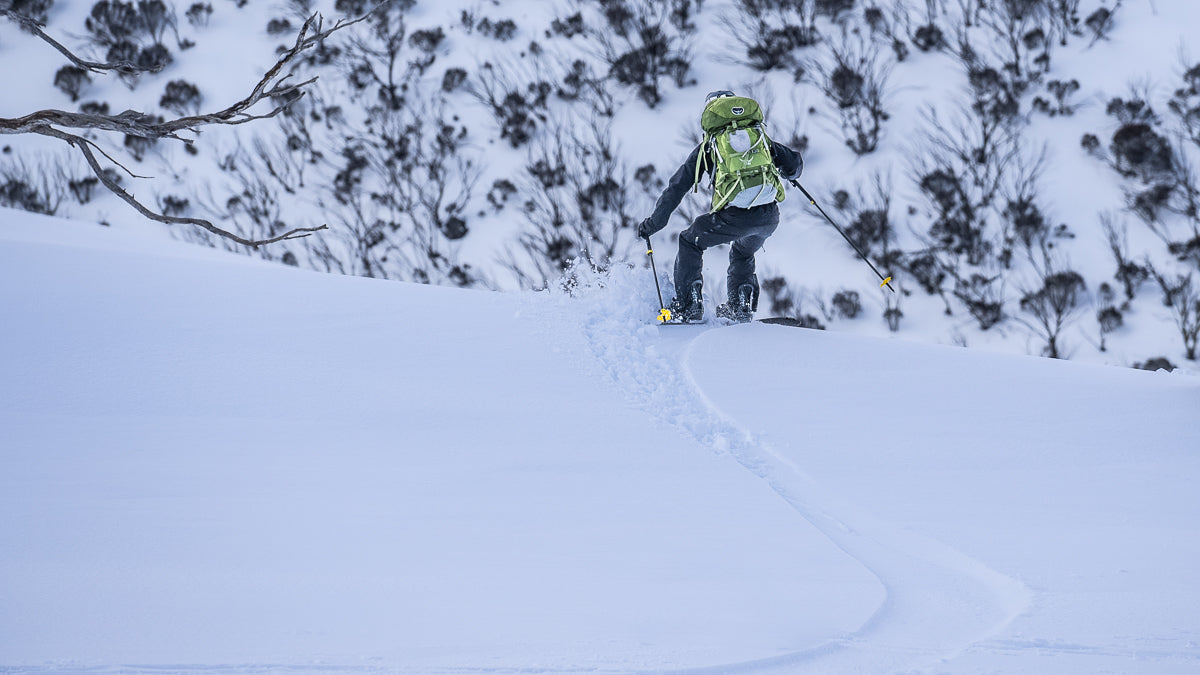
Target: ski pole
{"x":664,"y":314}
{"x":886,"y":282}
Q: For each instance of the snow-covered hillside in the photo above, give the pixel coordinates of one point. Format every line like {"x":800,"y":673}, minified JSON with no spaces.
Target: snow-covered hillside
{"x":1019,"y":149}
{"x":214,"y":464}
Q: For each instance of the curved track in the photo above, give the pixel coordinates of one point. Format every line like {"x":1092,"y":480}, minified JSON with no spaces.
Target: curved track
{"x":938,"y":601}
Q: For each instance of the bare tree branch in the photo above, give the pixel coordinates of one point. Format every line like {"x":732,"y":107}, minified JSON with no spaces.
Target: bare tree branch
{"x":85,"y":147}
{"x":273,"y":85}
{"x":124,"y":67}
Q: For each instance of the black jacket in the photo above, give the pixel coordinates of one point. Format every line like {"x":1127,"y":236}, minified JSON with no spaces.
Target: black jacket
{"x":788,"y":161}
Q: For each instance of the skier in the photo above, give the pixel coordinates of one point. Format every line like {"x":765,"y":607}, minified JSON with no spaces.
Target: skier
{"x":745,"y":168}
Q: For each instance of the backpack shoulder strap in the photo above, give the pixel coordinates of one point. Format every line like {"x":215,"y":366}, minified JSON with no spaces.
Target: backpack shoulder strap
{"x":702,"y":160}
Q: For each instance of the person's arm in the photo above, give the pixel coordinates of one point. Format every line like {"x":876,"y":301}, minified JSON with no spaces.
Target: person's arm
{"x":683,"y":180}
{"x":788,"y":161}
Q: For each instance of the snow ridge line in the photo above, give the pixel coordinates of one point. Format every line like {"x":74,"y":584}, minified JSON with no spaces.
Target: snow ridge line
{"x":925,"y":580}
{"x":930,"y":589}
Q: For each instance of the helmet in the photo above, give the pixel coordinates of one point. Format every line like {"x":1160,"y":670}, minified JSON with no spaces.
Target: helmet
{"x":712,"y":95}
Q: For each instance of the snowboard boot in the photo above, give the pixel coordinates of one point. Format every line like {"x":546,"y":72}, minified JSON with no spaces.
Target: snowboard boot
{"x":692,"y":310}
{"x":740,"y":307}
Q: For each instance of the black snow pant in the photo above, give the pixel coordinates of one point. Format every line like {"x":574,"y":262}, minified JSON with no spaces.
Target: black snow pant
{"x":746,"y":229}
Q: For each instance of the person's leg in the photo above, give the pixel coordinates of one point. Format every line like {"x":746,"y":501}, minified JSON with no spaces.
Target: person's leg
{"x":741,"y":268}
{"x":756,"y":226}
{"x":724,"y":227}
{"x":689,"y":262}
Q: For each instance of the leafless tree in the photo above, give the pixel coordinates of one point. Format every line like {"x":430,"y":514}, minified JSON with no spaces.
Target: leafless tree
{"x":769,"y":32}
{"x":1053,"y":304}
{"x":274,"y":88}
{"x":1108,"y":316}
{"x":960,"y":169}
{"x":39,"y":185}
{"x":1065,"y":17}
{"x":1185,"y":308}
{"x":1017,"y":24}
{"x":1186,"y":195}
{"x":1024,"y":219}
{"x":642,"y":46}
{"x":579,"y":200}
{"x":855,"y":78}
{"x":1129,"y":273}
{"x":126,"y":67}
{"x":255,"y":201}
{"x":970,"y":10}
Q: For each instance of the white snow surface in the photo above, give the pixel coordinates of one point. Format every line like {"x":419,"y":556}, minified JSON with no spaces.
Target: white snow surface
{"x":213,"y":464}
{"x":1144,"y":56}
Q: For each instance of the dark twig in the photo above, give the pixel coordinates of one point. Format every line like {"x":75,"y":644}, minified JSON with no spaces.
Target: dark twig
{"x":124,"y":67}
{"x":85,"y":147}
{"x":273,"y":84}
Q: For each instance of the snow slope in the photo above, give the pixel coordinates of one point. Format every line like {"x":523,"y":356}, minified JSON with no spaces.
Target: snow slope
{"x":1145,"y":55}
{"x":209,"y":463}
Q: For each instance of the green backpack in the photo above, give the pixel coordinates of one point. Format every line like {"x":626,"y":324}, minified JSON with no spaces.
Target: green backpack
{"x":744,"y":174}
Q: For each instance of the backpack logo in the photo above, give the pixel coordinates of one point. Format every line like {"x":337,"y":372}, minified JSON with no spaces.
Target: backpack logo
{"x":737,"y":111}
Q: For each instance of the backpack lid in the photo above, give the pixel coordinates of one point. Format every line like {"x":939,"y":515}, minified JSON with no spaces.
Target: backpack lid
{"x":730,"y":110}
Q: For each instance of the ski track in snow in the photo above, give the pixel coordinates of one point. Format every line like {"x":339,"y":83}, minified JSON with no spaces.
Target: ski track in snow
{"x":938,"y":602}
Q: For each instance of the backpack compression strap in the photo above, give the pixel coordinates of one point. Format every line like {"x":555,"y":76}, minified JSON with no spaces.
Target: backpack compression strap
{"x":707,"y":146}
{"x":721,"y":200}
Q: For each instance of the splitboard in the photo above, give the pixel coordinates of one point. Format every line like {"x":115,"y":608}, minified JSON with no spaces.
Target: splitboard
{"x":783,"y":321}
{"x":774,"y":320}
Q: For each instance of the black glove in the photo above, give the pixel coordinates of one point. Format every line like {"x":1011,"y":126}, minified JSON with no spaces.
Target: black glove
{"x":645,"y":229}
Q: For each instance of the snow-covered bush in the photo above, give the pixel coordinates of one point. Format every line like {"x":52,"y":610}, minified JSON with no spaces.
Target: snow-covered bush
{"x":1060,"y":91}
{"x":112,"y":22}
{"x":779,"y":300}
{"x":1021,"y":29}
{"x":570,"y":26}
{"x":846,"y":304}
{"x":38,"y":10}
{"x":38,"y":185}
{"x":1137,"y":149}
{"x":1129,"y":273}
{"x":1053,"y":306}
{"x":958,"y":219}
{"x":1185,"y":102}
{"x":641,"y":47}
{"x":1064,"y":16}
{"x":453,"y":78}
{"x":855,"y":79}
{"x":886,"y":28}
{"x":579,"y":201}
{"x":198,"y":14}
{"x":868,"y":219}
{"x":1023,"y":215}
{"x":502,"y":30}
{"x":1108,"y":316}
{"x":173,"y":205}
{"x":770,"y":31}
{"x":1185,"y":309}
{"x":502,"y":190}
{"x":83,"y":188}
{"x":138,"y":146}
{"x":133,"y":34}
{"x":71,"y":80}
{"x":983,"y":296}
{"x":1101,"y":21}
{"x":519,"y":109}
{"x":181,"y":97}
{"x":784,"y":302}
{"x":279,"y":26}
